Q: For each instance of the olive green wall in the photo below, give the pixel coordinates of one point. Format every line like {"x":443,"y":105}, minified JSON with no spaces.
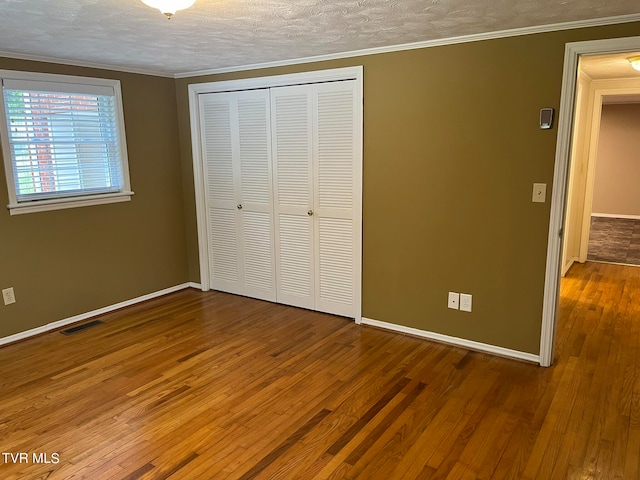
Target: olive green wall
{"x":69,"y":262}
{"x":451,"y":150}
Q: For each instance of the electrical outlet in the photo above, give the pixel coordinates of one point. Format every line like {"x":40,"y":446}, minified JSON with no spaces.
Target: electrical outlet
{"x":465,"y":302}
{"x":9,"y":296}
{"x":454,"y":300}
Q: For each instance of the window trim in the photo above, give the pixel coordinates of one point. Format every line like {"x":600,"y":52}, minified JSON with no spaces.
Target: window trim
{"x":64,"y":201}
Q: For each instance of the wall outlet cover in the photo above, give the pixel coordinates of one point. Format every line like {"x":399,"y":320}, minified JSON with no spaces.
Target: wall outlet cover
{"x":454,"y":300}
{"x":8,"y":296}
{"x":465,"y":302}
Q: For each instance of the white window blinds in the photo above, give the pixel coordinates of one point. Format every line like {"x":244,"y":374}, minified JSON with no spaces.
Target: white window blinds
{"x":64,"y":140}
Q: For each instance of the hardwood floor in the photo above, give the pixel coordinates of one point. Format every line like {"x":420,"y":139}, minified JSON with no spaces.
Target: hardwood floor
{"x":207,"y":385}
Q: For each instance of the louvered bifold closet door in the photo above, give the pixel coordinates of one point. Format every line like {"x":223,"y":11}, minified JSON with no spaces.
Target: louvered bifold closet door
{"x":292,"y":123}
{"x":336,"y":205}
{"x":315,"y":140}
{"x":237,"y":167}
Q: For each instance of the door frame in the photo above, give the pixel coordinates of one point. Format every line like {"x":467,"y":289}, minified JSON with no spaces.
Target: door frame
{"x":560,"y":176}
{"x":317,"y":76}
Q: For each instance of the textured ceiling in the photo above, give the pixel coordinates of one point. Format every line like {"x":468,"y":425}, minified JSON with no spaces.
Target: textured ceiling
{"x":599,"y":67}
{"x":215,"y":34}
{"x":613,"y":66}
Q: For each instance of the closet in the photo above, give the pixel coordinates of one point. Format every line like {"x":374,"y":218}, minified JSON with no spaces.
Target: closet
{"x":281,"y":193}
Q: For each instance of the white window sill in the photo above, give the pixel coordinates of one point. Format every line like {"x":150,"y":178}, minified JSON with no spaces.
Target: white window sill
{"x":71,"y":202}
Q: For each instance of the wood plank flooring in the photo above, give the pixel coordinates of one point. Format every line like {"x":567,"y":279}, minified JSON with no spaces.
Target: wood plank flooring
{"x":212,"y":386}
{"x":614,"y":240}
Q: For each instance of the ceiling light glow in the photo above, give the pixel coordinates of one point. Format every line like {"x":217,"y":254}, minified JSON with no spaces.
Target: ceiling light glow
{"x":169,"y":7}
{"x":635,"y":62}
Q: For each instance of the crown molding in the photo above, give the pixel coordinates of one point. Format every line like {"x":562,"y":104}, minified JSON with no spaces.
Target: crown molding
{"x":80,"y":63}
{"x":616,"y":83}
{"x":514,"y":32}
{"x":584,"y":76}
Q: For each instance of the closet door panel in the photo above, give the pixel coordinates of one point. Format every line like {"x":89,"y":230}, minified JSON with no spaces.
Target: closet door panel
{"x":217,"y":119}
{"x":335,"y":192}
{"x":254,"y":151}
{"x":335,"y":269}
{"x":292,"y":143}
{"x":258,"y":259}
{"x":237,"y":164}
{"x":291,"y":121}
{"x":296,"y":266}
{"x":218,"y":151}
{"x":224,"y":258}
{"x":335,"y":149}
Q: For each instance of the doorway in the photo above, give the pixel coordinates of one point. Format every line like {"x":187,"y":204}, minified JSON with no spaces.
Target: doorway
{"x":603,"y":203}
{"x":571,"y":109}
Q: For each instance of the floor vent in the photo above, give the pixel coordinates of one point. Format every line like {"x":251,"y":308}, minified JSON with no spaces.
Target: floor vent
{"x":80,"y":328}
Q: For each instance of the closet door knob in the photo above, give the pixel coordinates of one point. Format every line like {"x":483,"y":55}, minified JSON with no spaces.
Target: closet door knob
{"x":239,"y":206}
{"x":310,"y":212}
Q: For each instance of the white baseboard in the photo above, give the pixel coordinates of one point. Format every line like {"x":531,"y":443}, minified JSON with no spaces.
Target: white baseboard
{"x":615,"y":215}
{"x":456,"y":341}
{"x":93,"y":313}
{"x":566,"y":268}
{"x":194,"y":285}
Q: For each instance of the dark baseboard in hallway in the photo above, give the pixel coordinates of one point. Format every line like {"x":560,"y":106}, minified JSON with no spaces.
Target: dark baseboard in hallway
{"x":615,"y":240}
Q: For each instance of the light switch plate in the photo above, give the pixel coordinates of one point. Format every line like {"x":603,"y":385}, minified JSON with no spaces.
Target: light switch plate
{"x":539,"y":192}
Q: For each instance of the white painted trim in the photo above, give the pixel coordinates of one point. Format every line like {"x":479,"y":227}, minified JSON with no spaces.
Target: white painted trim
{"x":348,"y":73}
{"x":198,"y":183}
{"x":80,"y":63}
{"x":84,"y":316}
{"x":583,"y":76}
{"x":514,"y":32}
{"x":568,"y":266}
{"x":72,"y":202}
{"x":617,"y":86}
{"x":556,"y":220}
{"x":456,"y":341}
{"x":616,"y":215}
{"x":592,"y":140}
{"x":317,"y":76}
{"x":615,"y":263}
{"x":358,"y":193}
{"x":575,"y":188}
{"x":66,"y":83}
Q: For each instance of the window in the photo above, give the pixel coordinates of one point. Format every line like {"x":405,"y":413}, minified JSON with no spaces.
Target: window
{"x":63,"y":141}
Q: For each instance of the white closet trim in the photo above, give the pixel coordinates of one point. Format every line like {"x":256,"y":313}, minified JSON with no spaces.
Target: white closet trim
{"x":336,"y":74}
{"x":349,"y":73}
